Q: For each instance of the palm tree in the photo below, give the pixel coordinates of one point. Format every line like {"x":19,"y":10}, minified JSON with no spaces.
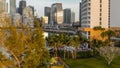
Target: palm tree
{"x":64,"y":41}
{"x":54,"y":41}
{"x":108,"y":33}
{"x":74,"y":41}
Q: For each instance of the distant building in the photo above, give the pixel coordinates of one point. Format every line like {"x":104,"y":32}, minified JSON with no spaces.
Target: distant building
{"x":32,"y":9}
{"x":17,"y":20}
{"x":44,"y":20}
{"x":12,"y":7}
{"x":47,"y":12}
{"x":28,"y":18}
{"x":57,"y":13}
{"x":80,"y":14}
{"x":17,"y":10}
{"x":22,"y":5}
{"x":72,"y":17}
{"x":3,"y":6}
{"x":67,"y":16}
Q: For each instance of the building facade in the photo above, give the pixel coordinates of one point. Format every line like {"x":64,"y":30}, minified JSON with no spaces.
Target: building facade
{"x":3,"y":6}
{"x":32,"y":7}
{"x":17,"y":20}
{"x":72,"y":17}
{"x":57,"y":13}
{"x":22,"y":5}
{"x":47,"y":11}
{"x":44,"y":20}
{"x":67,"y":16}
{"x":80,"y":14}
{"x":95,"y":13}
{"x":28,"y":18}
{"x":12,"y":7}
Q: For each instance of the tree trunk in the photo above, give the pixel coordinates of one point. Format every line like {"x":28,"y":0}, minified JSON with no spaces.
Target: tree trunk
{"x":17,"y":60}
{"x":76,"y":49}
{"x":55,"y":50}
{"x":64,"y":53}
{"x":72,"y":54}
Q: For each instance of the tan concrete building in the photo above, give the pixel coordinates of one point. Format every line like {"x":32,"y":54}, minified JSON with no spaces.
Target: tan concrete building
{"x":95,"y":13}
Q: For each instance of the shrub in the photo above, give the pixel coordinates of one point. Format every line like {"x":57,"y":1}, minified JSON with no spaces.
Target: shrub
{"x":85,"y":54}
{"x":98,"y":28}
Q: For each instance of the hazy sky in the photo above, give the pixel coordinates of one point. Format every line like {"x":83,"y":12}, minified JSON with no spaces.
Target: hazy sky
{"x":115,"y":13}
{"x":40,"y":4}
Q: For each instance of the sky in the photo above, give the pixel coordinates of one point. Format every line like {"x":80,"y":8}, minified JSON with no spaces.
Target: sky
{"x":115,"y":13}
{"x":40,"y":4}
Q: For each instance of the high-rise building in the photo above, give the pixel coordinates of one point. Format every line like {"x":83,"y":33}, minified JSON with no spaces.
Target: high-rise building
{"x":44,"y":20}
{"x":95,"y":13}
{"x":67,"y":16}
{"x":17,"y":20}
{"x":56,"y":13}
{"x":80,"y":14}
{"x":3,"y":5}
{"x":12,"y":7}
{"x":47,"y":11}
{"x":28,"y":18}
{"x":22,"y":5}
{"x":72,"y":17}
{"x":32,"y":7}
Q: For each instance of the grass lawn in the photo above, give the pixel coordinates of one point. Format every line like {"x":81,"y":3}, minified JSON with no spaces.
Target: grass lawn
{"x":97,"y":62}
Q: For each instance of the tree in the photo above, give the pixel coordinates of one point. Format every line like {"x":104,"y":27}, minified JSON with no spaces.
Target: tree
{"x":15,"y":44}
{"x":26,"y":46}
{"x":108,"y":52}
{"x":36,"y":54}
{"x":96,"y":43}
{"x":74,"y":41}
{"x":76,"y":45}
{"x":64,"y":41}
{"x":54,"y":41}
{"x":108,"y":33}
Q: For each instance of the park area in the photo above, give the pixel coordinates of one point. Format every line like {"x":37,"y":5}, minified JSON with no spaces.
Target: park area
{"x":94,"y":62}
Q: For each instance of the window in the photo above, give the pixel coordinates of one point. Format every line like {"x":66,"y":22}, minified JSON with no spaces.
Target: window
{"x":100,"y":10}
{"x":100,"y":18}
{"x":100,"y":1}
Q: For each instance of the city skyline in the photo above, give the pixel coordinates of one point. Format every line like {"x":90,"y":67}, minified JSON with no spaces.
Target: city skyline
{"x":114,"y":20}
{"x":73,"y":4}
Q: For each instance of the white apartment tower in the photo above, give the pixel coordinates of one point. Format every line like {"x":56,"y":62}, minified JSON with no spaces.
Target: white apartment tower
{"x":95,"y":13}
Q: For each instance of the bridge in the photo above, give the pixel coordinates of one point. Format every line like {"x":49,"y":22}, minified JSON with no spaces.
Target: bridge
{"x":61,"y":29}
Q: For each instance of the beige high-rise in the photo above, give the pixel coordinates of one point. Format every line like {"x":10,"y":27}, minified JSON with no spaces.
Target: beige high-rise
{"x":95,"y":13}
{"x":3,"y":5}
